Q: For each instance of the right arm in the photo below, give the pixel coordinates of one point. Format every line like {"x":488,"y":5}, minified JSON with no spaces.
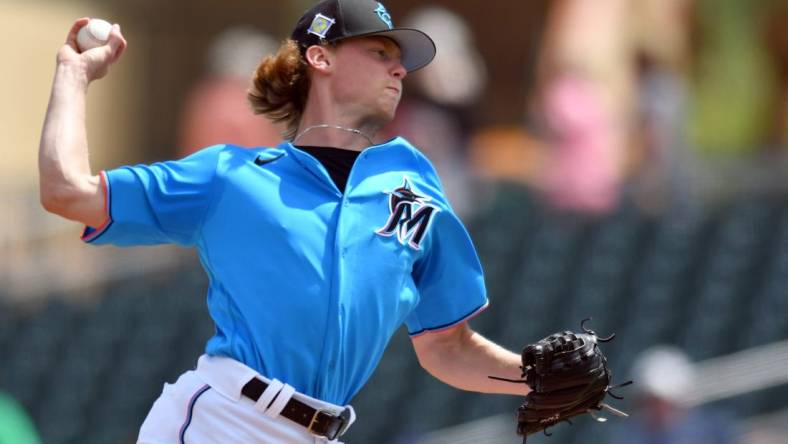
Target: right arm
{"x":68,"y":187}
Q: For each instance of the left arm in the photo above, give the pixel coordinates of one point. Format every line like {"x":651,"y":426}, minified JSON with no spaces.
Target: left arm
{"x":464,"y":359}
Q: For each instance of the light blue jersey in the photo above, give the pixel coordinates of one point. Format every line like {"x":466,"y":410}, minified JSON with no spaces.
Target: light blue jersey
{"x":307,"y":285}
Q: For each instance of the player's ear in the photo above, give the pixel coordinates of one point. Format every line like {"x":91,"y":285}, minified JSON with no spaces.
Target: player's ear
{"x":320,"y":58}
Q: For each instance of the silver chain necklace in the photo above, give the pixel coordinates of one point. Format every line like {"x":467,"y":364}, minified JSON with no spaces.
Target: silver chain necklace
{"x":325,"y":125}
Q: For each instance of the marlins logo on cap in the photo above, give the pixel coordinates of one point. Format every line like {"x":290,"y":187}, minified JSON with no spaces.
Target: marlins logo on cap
{"x":384,"y":15}
{"x":320,"y":25}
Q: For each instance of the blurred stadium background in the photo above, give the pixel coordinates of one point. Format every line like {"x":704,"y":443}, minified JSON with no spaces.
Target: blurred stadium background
{"x":621,"y":159}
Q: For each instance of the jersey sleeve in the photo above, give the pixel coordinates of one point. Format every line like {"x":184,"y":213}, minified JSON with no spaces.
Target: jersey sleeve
{"x":449,"y":279}
{"x":448,"y":276}
{"x":165,"y":202}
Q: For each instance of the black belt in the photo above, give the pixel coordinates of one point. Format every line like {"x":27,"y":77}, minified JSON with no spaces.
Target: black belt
{"x":317,"y":422}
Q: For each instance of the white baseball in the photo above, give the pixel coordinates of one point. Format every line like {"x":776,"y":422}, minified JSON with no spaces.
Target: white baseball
{"x":93,"y":35}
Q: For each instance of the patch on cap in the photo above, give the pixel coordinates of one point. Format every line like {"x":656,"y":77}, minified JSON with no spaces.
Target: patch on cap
{"x":384,"y":15}
{"x":320,"y":25}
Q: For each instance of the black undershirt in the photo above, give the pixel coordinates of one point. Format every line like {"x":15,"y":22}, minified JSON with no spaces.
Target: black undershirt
{"x":337,"y":161}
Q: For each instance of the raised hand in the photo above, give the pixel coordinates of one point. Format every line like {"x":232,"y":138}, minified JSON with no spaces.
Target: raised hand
{"x":94,"y":63}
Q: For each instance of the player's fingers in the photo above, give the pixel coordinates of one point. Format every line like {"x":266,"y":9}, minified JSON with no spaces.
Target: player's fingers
{"x":116,"y":42}
{"x":71,"y":40}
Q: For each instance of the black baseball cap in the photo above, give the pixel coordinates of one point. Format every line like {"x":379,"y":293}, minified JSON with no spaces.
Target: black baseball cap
{"x":335,"y":20}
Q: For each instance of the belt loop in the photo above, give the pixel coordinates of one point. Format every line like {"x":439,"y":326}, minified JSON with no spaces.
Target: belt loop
{"x":268,"y":395}
{"x":281,"y":401}
{"x":352,"y":416}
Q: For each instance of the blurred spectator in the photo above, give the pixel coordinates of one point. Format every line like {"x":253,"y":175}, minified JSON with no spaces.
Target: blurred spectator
{"x":613,"y":102}
{"x":215,"y":110}
{"x":435,"y":111}
{"x":659,"y":174}
{"x":732,"y":86}
{"x":776,"y":39}
{"x":663,"y":375}
{"x":457,"y":77}
{"x":584,"y":102}
{"x":583,"y":171}
{"x":661,"y":53}
{"x":15,"y":426}
{"x":508,"y":153}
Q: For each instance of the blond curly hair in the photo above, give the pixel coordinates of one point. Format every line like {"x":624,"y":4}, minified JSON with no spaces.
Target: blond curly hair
{"x":280,"y":86}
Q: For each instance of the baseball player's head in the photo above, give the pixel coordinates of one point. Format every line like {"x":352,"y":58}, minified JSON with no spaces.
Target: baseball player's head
{"x":344,"y":52}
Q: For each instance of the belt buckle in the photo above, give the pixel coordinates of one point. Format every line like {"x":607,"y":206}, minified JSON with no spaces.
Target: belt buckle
{"x":333,"y":432}
{"x":314,"y":421}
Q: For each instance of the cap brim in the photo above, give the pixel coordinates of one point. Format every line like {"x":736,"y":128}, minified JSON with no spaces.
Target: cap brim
{"x":417,"y":48}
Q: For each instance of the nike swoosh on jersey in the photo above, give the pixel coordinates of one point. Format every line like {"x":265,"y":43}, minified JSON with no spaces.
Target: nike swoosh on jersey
{"x":260,"y":161}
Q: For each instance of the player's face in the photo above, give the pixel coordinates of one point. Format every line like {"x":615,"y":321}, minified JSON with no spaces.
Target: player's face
{"x":368,"y":77}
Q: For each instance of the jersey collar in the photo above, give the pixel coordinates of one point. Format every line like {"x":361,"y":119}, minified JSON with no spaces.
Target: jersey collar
{"x":314,"y":166}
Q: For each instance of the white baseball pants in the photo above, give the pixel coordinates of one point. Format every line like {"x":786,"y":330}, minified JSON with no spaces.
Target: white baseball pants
{"x":205,"y":406}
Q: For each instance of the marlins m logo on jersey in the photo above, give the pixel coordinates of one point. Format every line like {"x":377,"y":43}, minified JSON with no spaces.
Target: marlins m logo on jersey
{"x":410,"y":217}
